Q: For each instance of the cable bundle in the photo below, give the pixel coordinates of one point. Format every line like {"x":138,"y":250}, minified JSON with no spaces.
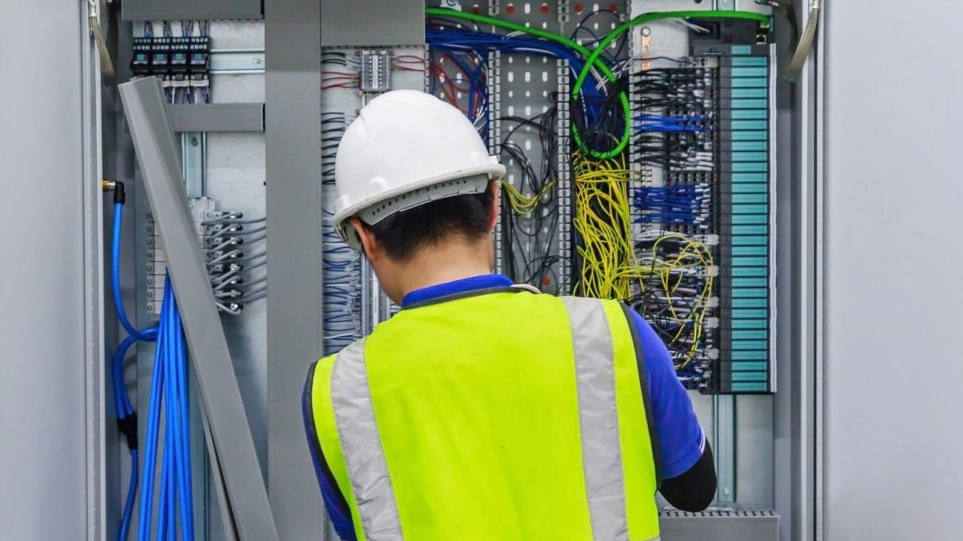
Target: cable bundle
{"x":676,"y":284}
{"x":676,"y":122}
{"x":233,"y":245}
{"x":341,"y":266}
{"x":453,"y":41}
{"x":681,"y":204}
{"x":602,"y":222}
{"x":460,"y":77}
{"x":169,"y":391}
{"x":340,"y":70}
{"x":126,"y":415}
{"x":170,"y":370}
{"x":530,"y":229}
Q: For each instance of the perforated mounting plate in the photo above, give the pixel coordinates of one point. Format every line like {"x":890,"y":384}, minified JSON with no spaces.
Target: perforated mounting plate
{"x":525,"y":85}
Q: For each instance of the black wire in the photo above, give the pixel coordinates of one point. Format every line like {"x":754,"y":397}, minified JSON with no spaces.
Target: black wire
{"x":539,"y":228}
{"x":622,"y":40}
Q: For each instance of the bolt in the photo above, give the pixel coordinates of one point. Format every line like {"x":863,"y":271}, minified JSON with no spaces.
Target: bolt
{"x":646,"y":31}
{"x":257,"y":61}
{"x":194,"y":141}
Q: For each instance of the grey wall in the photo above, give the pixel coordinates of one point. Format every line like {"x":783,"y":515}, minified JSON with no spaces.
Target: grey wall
{"x":42,"y":318}
{"x":893,"y":196}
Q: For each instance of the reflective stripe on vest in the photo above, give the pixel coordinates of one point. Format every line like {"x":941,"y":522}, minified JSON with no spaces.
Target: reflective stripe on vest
{"x":598,"y":419}
{"x":601,"y":452}
{"x":367,"y":469}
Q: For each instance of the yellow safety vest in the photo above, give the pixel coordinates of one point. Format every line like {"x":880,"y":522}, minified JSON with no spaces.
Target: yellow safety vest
{"x":503,"y":415}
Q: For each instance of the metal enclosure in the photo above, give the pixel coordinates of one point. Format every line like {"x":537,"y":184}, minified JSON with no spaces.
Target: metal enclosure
{"x":141,"y":10}
{"x":892,"y":193}
{"x":52,"y":417}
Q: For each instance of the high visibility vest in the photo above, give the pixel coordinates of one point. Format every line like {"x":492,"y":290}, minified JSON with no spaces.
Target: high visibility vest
{"x":498,"y":416}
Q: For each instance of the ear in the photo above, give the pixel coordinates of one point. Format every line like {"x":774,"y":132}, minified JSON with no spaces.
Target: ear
{"x":368,"y":243}
{"x":496,"y":189}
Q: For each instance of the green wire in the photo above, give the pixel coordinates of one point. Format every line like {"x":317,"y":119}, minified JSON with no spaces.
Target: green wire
{"x":649,"y":17}
{"x":593,"y":57}
{"x":641,"y":19}
{"x":551,"y":36}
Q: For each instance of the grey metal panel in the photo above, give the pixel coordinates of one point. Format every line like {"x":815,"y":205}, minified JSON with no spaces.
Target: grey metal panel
{"x":892,"y":207}
{"x":794,"y":403}
{"x":157,"y":153}
{"x":217,"y":117}
{"x":45,"y":328}
{"x":719,"y":526}
{"x":147,"y":10}
{"x":293,"y":96}
{"x":361,"y":23}
{"x":98,"y":512}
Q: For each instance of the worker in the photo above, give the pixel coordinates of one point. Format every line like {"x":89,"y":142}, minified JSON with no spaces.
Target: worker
{"x":484,"y":410}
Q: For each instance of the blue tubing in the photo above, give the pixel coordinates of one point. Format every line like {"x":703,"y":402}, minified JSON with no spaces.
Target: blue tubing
{"x":115,"y":280}
{"x":131,"y":497}
{"x":150,"y":450}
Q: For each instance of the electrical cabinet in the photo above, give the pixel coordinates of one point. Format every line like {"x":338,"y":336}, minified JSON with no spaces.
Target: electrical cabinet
{"x":660,"y":170}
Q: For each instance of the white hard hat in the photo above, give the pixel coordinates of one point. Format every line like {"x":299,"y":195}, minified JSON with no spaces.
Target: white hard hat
{"x":407,"y":148}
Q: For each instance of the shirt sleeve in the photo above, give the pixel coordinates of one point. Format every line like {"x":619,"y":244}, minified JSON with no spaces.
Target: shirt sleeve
{"x":680,"y":438}
{"x":334,"y":500}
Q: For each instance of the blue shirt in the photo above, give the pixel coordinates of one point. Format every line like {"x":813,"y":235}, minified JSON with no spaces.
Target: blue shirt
{"x":680,"y":438}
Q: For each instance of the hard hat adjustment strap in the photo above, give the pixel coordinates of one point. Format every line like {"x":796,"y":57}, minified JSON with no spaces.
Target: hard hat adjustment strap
{"x":460,"y":186}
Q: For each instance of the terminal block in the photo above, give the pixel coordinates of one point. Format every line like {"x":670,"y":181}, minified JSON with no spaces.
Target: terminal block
{"x":375,"y":71}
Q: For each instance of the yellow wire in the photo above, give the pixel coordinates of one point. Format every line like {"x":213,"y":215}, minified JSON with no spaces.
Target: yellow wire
{"x":602,"y":218}
{"x":521,"y":203}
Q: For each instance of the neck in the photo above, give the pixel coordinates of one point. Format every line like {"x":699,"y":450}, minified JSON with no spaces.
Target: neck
{"x":440,"y":265}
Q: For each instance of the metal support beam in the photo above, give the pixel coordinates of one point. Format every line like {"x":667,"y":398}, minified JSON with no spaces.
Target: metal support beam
{"x":157,"y":152}
{"x":217,"y":117}
{"x":194,"y":156}
{"x":147,"y":10}
{"x":364,"y":23}
{"x":293,"y":96}
{"x":724,"y":447}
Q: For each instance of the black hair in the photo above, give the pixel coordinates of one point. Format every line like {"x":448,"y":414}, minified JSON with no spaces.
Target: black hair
{"x":404,"y":234}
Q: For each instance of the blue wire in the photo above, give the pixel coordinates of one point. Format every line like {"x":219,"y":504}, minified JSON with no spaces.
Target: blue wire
{"x":166,"y":494}
{"x":153,"y":429}
{"x":146,"y":335}
{"x":170,"y":364}
{"x":177,"y":413}
{"x":183,"y":403}
{"x":131,"y":497}
{"x":121,"y":396}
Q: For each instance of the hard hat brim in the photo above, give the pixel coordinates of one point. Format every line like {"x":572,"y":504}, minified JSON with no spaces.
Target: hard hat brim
{"x":494,"y":171}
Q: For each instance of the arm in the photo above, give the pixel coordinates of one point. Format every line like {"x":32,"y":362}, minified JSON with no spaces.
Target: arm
{"x":693,"y":490}
{"x":685,"y":458}
{"x":334,"y":501}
